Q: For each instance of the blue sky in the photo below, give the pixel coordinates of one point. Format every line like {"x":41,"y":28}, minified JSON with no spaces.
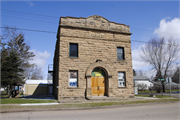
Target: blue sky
{"x":146,"y":20}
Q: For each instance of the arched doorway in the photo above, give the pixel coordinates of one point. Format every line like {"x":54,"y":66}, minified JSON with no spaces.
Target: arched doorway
{"x":98,"y":82}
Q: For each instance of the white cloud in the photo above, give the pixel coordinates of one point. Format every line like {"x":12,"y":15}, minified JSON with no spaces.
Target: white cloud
{"x":30,"y":3}
{"x":136,"y":59}
{"x":169,"y":29}
{"x":41,"y":58}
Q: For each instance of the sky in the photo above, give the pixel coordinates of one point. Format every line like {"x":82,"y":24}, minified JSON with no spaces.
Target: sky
{"x":147,"y":19}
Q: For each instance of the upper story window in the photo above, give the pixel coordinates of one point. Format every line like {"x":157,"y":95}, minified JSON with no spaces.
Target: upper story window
{"x":120,"y":53}
{"x":73,"y":50}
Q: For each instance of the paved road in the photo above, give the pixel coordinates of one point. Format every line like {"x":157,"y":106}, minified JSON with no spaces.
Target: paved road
{"x":165,"y":111}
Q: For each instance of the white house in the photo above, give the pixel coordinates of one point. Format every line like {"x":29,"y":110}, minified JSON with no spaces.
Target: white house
{"x":142,"y":80}
{"x":38,"y":87}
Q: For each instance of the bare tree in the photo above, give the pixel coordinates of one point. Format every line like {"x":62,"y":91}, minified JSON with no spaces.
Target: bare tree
{"x":176,"y":76}
{"x":140,"y":73}
{"x":160,"y":55}
{"x":34,"y":73}
{"x":134,"y":72}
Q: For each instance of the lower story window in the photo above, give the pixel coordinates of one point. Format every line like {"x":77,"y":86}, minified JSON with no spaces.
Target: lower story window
{"x":121,"y":79}
{"x":73,"y":78}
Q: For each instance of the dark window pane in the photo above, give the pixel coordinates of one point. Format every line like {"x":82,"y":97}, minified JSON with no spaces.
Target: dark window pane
{"x":120,"y":53}
{"x":73,"y":50}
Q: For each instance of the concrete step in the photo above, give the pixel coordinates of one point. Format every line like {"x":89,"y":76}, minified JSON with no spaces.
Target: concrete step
{"x":101,"y":98}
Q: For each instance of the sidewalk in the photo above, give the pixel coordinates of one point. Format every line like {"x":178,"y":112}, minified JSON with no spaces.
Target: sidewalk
{"x":83,"y":101}
{"x":84,"y":104}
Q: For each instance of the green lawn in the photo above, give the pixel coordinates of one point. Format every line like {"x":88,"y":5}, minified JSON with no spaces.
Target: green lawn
{"x":156,"y":96}
{"x":22,"y":101}
{"x":147,"y":91}
{"x":6,"y":100}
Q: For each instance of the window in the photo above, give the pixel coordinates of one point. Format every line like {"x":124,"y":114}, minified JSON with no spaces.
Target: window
{"x":121,"y":79}
{"x":120,"y":53}
{"x":73,"y":50}
{"x":73,"y":77}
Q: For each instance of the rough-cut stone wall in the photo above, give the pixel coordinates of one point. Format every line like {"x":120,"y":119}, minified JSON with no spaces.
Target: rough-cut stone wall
{"x":99,"y":43}
{"x":56,"y":70}
{"x":95,"y":22}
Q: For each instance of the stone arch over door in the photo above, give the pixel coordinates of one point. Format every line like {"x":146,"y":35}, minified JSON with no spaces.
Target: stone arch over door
{"x":108,"y":72}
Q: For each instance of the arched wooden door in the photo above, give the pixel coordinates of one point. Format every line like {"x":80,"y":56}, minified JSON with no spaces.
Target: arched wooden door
{"x":98,"y":82}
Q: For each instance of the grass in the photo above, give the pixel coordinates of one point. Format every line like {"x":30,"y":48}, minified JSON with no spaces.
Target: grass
{"x":83,"y":105}
{"x":167,"y":91}
{"x":156,"y":96}
{"x":171,"y":90}
{"x":6,"y":100}
{"x":22,"y":101}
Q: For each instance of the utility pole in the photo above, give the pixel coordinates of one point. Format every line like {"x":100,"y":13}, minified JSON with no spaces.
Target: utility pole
{"x":169,"y":85}
{"x":162,"y":87}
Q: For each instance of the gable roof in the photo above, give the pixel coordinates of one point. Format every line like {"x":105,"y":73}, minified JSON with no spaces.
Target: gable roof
{"x":38,"y":82}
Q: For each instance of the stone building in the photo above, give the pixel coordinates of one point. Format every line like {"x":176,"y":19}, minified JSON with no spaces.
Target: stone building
{"x":92,"y":58}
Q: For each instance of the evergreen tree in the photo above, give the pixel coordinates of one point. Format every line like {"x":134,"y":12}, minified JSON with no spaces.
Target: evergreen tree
{"x":14,"y":41}
{"x":11,"y":73}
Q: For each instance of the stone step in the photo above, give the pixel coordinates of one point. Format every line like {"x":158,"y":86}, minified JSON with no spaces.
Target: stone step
{"x":101,"y":98}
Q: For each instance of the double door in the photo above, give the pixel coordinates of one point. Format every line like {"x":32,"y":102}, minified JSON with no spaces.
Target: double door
{"x":98,"y":86}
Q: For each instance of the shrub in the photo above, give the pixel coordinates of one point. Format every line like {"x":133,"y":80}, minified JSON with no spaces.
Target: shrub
{"x":158,"y":88}
{"x":141,"y":86}
{"x":21,"y":93}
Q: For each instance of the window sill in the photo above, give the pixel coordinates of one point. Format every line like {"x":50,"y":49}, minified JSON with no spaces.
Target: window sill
{"x":122,"y":87}
{"x":120,"y":60}
{"x":74,"y":57}
{"x":72,"y":88}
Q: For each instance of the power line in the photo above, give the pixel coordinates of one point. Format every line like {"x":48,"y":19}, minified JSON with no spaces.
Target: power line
{"x":30,"y":30}
{"x":151,"y":42}
{"x":152,"y":30}
{"x":56,"y":23}
{"x":30,"y":13}
{"x":56,"y":32}
{"x":58,"y":17}
{"x":28,"y":19}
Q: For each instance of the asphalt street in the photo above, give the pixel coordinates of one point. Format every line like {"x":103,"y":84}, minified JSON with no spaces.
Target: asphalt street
{"x":163,"y":111}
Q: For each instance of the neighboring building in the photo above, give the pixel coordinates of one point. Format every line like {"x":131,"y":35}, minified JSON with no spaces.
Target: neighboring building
{"x":37,"y":87}
{"x":143,"y":80}
{"x":2,"y":89}
{"x":92,"y":58}
{"x":173,"y":85}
